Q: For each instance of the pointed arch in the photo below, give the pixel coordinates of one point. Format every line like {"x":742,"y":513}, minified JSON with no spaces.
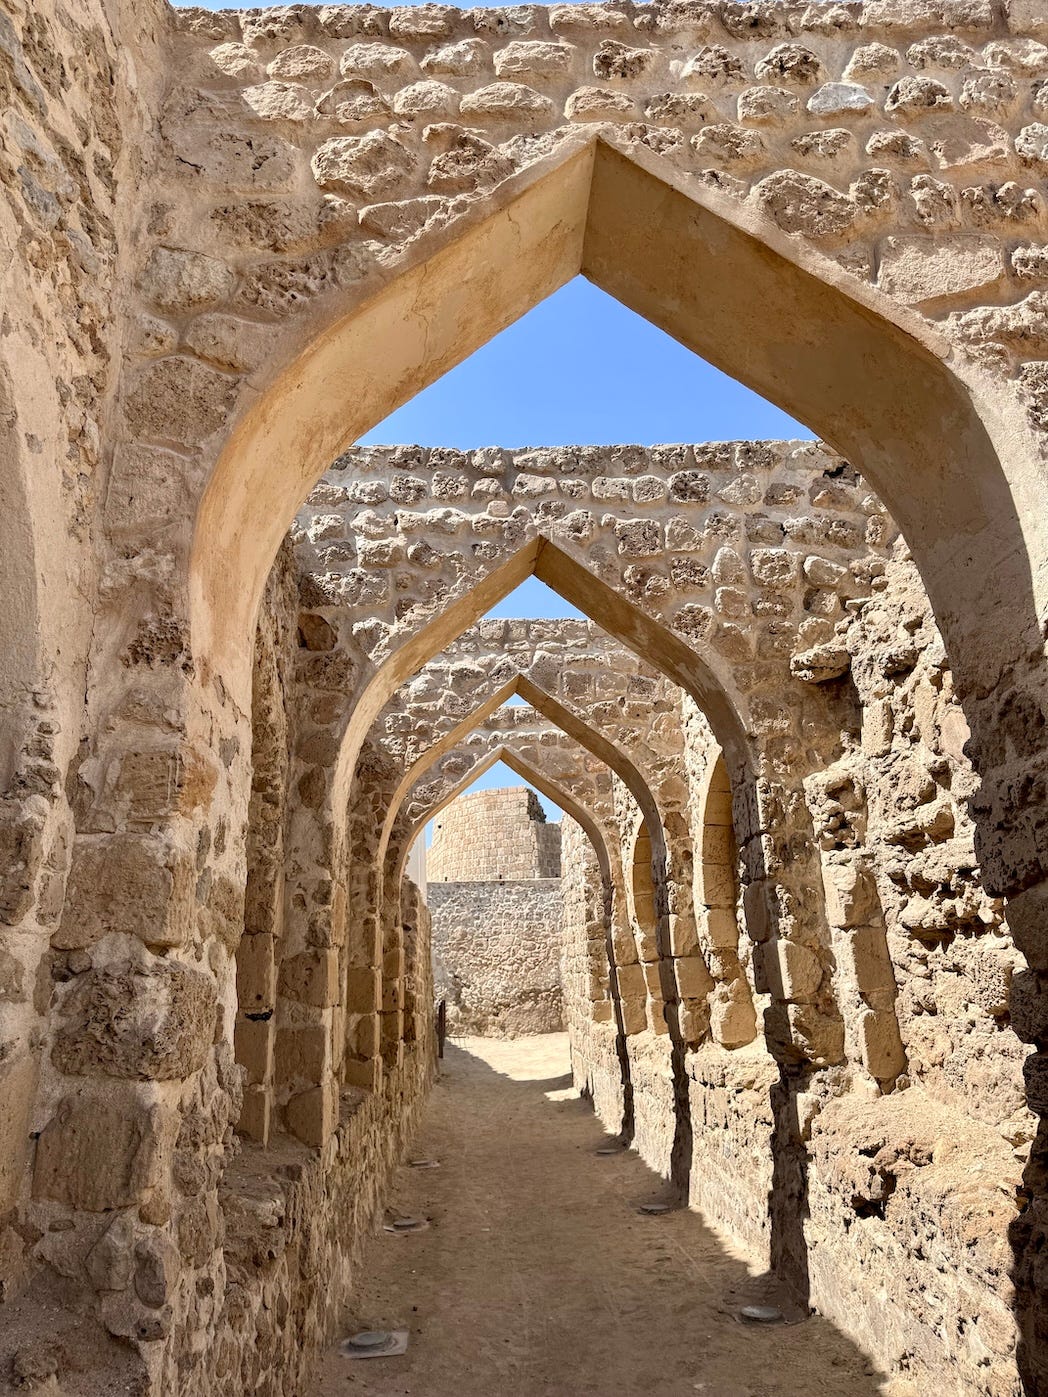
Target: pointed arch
{"x":872,"y":378}
{"x":569,"y":723}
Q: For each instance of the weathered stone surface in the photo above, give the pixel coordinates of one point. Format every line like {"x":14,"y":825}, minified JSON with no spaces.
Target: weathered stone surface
{"x":916,"y":269}
{"x":154,"y":1020}
{"x":202,"y":196}
{"x":99,"y":1151}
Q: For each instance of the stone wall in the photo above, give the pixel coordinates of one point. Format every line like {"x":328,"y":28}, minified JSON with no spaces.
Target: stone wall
{"x":493,"y":835}
{"x":915,"y":1142}
{"x":231,"y":243}
{"x":494,"y":897}
{"x":497,"y":951}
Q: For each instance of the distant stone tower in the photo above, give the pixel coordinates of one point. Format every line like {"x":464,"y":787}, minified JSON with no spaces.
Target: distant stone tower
{"x":494,"y":897}
{"x":494,"y":836}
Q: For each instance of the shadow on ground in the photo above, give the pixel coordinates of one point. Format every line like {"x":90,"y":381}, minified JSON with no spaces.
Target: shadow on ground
{"x":537,"y":1274}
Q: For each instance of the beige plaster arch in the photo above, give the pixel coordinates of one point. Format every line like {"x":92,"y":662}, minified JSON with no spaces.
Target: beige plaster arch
{"x":873,"y":379}
{"x":561,"y":717}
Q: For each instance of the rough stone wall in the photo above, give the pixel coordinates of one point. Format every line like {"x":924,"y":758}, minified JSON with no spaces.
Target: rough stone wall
{"x":76,"y":112}
{"x":902,"y":1194}
{"x":494,"y":835}
{"x":497,"y":953}
{"x":206,"y":235}
{"x":494,"y":900}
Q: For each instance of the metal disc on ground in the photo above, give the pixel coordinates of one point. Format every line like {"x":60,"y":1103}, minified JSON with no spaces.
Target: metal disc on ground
{"x":370,"y":1339}
{"x":375,"y":1343}
{"x":424,"y":1163}
{"x":761,"y":1314}
{"x":654,"y":1209}
{"x":610,"y":1149}
{"x":407,"y":1225}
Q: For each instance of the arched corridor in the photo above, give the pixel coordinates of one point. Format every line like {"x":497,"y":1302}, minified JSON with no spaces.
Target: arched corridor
{"x":797,"y":729}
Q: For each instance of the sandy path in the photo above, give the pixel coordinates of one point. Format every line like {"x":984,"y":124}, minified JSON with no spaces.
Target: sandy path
{"x":537,"y":1275}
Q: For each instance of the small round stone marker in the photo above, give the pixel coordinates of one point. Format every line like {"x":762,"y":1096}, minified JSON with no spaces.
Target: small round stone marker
{"x":761,"y":1314}
{"x":370,"y":1339}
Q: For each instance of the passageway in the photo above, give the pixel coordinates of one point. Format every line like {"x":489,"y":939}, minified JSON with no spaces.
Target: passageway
{"x":538,"y":1275}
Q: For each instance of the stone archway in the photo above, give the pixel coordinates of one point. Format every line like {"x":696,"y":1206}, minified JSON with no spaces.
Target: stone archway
{"x":241,"y":367}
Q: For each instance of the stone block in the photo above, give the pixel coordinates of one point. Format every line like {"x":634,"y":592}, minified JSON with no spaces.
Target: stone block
{"x":363,"y":990}
{"x":882,"y":1049}
{"x":18,"y":1081}
{"x":693,"y":979}
{"x":130,"y":884}
{"x":634,"y":1015}
{"x":101,"y":1150}
{"x":722,"y":927}
{"x":151,"y":1020}
{"x":21,"y":856}
{"x":363,"y":1073}
{"x":851,"y":894}
{"x":256,"y":1114}
{"x":311,"y":978}
{"x":253,"y":1043}
{"x":632,"y":984}
{"x":682,"y":935}
{"x":918,"y":269}
{"x":311,"y":1116}
{"x":800,"y":971}
{"x":302,"y":1054}
{"x":363,"y":1036}
{"x":256,"y":973}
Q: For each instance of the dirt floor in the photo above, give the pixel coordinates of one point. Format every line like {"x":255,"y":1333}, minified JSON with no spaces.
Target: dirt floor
{"x":536,"y":1275}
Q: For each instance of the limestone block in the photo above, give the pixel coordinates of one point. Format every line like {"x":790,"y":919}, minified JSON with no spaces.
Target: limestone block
{"x":312,"y":1115}
{"x":693,"y":979}
{"x":922,"y":269}
{"x":182,"y":282}
{"x":534,"y":58}
{"x":508,"y":100}
{"x":157,"y":1269}
{"x":364,"y":989}
{"x":851,"y":894}
{"x":801,"y":203}
{"x":837,"y":98}
{"x":311,"y":978}
{"x":364,"y":1036}
{"x":882,"y":1049}
{"x":634,"y":1015}
{"x":152,"y":1020}
{"x":800,"y":971}
{"x":179,"y":399}
{"x":101,"y":1150}
{"x":302,"y":1054}
{"x":110,"y":1262}
{"x":366,"y":1074}
{"x":256,"y":973}
{"x":253,"y":1043}
{"x":365,"y":167}
{"x":21,"y":856}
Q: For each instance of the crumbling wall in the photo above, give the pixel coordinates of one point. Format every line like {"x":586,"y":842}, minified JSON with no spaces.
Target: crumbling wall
{"x":79,"y":88}
{"x":497,"y":951}
{"x":895,"y":1174}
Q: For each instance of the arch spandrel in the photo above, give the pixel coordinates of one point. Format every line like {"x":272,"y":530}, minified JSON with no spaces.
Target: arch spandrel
{"x":653,"y":543}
